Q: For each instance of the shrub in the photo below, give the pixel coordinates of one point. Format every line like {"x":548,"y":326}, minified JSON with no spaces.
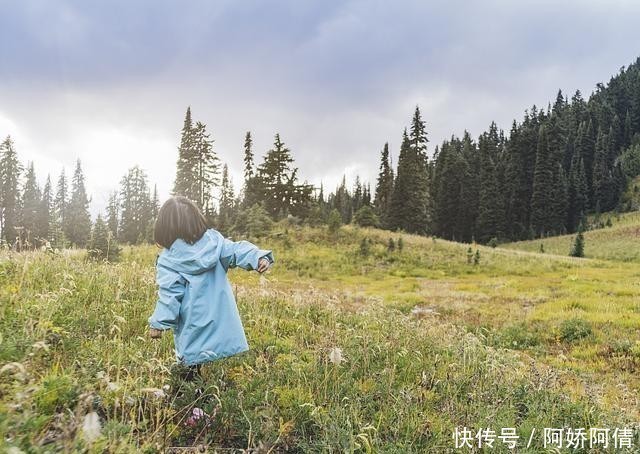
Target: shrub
{"x":575,"y":329}
{"x":335,"y":221}
{"x":366,"y":217}
{"x":493,"y":242}
{"x":55,"y":393}
{"x":577,"y":250}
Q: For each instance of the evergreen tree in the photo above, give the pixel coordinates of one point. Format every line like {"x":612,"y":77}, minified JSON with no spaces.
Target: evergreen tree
{"x":366,"y":217}
{"x":31,"y":200}
{"x":281,"y":192}
{"x":491,"y":213}
{"x":206,"y":164}
{"x":10,"y":170}
{"x":78,"y":219}
{"x":227,"y":203}
{"x":409,"y":208}
{"x":197,"y":167}
{"x":577,"y":250}
{"x":45,"y":213}
{"x":542,"y":182}
{"x":384,"y":188}
{"x":249,"y":166}
{"x":113,"y":214}
{"x":602,"y":178}
{"x":135,"y":207}
{"x":102,"y":246}
{"x":185,"y":172}
{"x":578,"y":195}
{"x":61,"y":201}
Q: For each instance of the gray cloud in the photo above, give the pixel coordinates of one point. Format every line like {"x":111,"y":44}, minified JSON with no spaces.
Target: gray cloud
{"x":109,"y":81}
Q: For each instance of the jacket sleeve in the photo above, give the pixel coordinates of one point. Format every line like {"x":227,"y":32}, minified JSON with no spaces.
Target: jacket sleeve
{"x":243,"y":254}
{"x":171,"y":287}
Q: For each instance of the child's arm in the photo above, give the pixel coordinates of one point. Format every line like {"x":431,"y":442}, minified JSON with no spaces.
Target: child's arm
{"x":171,"y":288}
{"x":245,"y":255}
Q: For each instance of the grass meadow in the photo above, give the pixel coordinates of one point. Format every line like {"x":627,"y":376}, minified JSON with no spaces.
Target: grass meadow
{"x":354,"y":347}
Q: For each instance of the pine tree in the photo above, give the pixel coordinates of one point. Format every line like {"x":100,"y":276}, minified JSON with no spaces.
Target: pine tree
{"x":410,"y":207}
{"x":102,"y":246}
{"x":10,"y":170}
{"x":577,"y":250}
{"x":78,"y":220}
{"x":135,"y":207}
{"x":45,"y":213}
{"x":249,"y":166}
{"x":559,"y":200}
{"x":197,"y":167}
{"x":578,"y":195}
{"x":227,"y":203}
{"x":542,"y":182}
{"x":185,"y":175}
{"x":491,"y":212}
{"x":113,"y":214}
{"x":281,"y":192}
{"x":384,"y":188}
{"x":31,"y":199}
{"x":602,"y":179}
{"x":206,"y":164}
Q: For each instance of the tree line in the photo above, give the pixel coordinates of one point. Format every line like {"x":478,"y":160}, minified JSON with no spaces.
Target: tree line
{"x":553,"y":168}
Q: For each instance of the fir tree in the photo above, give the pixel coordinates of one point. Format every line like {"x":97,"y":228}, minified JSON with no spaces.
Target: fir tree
{"x":185,"y":175}
{"x":78,"y":220}
{"x":281,"y":192}
{"x":491,"y":212}
{"x":542,"y":182}
{"x":135,"y":207}
{"x":409,"y":208}
{"x":31,"y":200}
{"x":249,"y":166}
{"x":384,"y":188}
{"x":577,"y":250}
{"x":45,"y":213}
{"x":227,"y":202}
{"x":102,"y":246}
{"x":113,"y":214}
{"x":578,"y":195}
{"x":10,"y":170}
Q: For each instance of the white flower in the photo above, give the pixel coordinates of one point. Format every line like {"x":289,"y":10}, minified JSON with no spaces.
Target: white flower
{"x":91,"y":426}
{"x":335,"y":356}
{"x":157,"y":392}
{"x":111,"y":386}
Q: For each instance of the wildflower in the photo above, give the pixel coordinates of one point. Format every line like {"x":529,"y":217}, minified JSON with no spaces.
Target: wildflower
{"x":196,"y":415}
{"x":91,"y":426}
{"x":157,"y":392}
{"x":335,"y":356}
{"x":111,"y":386}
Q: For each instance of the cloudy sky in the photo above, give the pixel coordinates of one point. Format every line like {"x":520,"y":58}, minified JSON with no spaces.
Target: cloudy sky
{"x":109,"y":82}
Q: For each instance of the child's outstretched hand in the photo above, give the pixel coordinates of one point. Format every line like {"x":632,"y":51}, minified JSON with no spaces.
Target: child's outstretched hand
{"x":263,"y":265}
{"x":155,"y":333}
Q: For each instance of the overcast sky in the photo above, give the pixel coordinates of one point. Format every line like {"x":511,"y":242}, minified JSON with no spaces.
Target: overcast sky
{"x":109,"y":82}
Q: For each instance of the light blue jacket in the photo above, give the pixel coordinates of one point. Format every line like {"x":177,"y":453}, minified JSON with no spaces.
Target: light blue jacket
{"x":195,"y":298}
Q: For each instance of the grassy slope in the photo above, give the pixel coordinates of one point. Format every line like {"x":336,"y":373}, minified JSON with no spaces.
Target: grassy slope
{"x":617,"y":243}
{"x":497,"y":346}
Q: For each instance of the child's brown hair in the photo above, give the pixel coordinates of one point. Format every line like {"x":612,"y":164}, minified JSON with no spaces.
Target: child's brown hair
{"x":180,"y":218}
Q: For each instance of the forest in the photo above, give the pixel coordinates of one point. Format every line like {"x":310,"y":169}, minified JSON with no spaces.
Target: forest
{"x":554,"y":167}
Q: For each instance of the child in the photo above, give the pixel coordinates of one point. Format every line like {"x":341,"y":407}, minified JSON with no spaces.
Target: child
{"x":195,"y":297}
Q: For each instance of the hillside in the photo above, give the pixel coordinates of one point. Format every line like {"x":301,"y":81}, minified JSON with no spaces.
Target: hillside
{"x":429,"y":341}
{"x":617,"y":243}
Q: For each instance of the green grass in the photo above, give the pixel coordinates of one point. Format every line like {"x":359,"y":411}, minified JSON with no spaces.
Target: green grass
{"x":616,"y":243}
{"x":430,"y":342}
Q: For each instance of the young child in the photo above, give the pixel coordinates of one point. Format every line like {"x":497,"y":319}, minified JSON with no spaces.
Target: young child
{"x":195,"y":298}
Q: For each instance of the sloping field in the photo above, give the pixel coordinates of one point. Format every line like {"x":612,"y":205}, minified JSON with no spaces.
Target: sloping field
{"x":353,"y":347}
